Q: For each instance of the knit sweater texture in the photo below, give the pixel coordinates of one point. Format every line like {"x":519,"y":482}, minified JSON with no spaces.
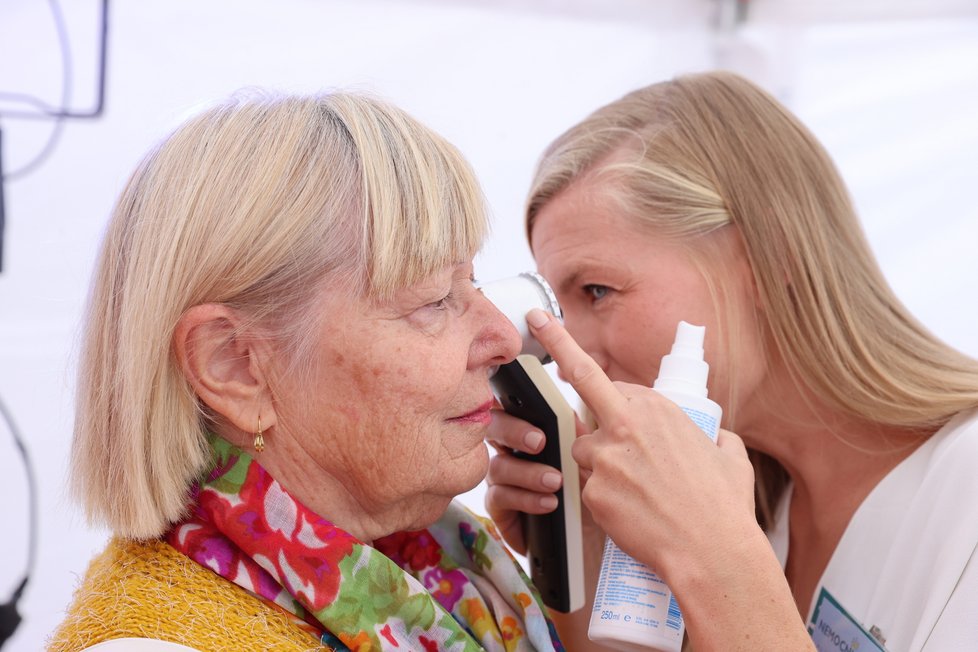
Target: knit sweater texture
{"x":147,"y":589}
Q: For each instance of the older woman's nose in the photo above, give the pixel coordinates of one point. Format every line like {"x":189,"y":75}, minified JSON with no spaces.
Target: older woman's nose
{"x":497,"y":341}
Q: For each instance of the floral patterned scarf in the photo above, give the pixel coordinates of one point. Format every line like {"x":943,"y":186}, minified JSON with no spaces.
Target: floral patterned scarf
{"x":453,"y":586}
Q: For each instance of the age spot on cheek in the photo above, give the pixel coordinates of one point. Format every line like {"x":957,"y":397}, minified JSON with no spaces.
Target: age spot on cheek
{"x":362,"y":376}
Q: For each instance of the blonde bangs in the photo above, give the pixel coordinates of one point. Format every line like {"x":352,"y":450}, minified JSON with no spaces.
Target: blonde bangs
{"x":423,"y":205}
{"x":437,"y":219}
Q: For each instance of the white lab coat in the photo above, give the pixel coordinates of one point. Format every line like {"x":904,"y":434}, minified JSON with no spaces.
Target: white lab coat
{"x":907,"y":563}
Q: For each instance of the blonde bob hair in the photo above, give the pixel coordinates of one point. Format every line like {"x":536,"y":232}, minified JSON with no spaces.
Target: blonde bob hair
{"x":709,"y":151}
{"x":257,"y":203}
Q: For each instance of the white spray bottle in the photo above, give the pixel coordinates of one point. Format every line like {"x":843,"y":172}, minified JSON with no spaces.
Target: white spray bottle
{"x":633,"y":607}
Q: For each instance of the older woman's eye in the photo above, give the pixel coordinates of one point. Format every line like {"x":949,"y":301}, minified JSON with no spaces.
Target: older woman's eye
{"x":442,"y":303}
{"x":457,"y":295}
{"x":596,"y":292}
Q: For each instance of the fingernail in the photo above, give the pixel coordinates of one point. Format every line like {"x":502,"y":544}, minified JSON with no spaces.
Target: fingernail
{"x":537,"y":318}
{"x":551,"y":480}
{"x":548,"y":502}
{"x":533,"y":440}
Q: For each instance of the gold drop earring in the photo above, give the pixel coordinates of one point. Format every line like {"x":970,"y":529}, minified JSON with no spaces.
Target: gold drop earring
{"x":259,"y":439}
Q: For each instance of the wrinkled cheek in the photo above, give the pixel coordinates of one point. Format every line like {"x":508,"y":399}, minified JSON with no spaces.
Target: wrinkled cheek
{"x":350,"y":413}
{"x":465,"y":447}
{"x":468,"y":469}
{"x":379,"y":466}
{"x":398,"y":448}
{"x":391,"y":387}
{"x":475,"y":469}
{"x":481,"y":465}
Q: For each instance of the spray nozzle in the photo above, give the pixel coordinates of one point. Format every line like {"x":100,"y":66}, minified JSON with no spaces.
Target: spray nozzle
{"x":689,"y":340}
{"x":684,"y":369}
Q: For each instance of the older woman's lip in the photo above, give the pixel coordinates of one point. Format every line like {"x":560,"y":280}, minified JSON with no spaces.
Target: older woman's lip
{"x":481,"y":414}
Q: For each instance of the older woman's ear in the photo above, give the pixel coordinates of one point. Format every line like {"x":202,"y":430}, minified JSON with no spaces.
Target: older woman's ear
{"x":224,"y":367}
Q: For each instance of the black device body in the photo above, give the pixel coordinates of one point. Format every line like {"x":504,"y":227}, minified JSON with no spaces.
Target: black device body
{"x":553,"y":540}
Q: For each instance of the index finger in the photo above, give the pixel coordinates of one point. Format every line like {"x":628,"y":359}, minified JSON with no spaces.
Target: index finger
{"x":580,"y":369}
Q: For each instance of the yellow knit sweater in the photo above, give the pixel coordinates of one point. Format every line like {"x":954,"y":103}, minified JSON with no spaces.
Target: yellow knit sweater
{"x":150,"y":590}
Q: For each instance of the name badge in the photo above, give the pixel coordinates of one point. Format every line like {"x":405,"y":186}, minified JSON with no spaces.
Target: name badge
{"x":834,"y":630}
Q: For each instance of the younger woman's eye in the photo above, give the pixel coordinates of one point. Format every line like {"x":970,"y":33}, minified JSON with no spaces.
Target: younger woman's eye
{"x":596,"y":292}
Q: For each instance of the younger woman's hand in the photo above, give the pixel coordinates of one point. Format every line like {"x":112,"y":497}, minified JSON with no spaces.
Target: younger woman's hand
{"x":656,"y":484}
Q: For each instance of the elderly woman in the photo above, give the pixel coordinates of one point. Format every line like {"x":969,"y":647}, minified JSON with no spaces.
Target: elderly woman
{"x":703,"y":199}
{"x":284,"y":383}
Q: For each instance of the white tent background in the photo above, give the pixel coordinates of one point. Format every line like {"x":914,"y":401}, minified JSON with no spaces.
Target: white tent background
{"x":891,"y":88}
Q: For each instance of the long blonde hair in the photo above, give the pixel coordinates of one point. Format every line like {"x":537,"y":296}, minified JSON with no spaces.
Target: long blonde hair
{"x":706,"y":151}
{"x":256,"y":203}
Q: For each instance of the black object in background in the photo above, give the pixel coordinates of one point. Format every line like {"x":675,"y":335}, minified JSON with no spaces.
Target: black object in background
{"x":9,"y":617}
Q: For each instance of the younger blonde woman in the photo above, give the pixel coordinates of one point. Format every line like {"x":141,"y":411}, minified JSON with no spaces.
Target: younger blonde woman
{"x":703,"y":199}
